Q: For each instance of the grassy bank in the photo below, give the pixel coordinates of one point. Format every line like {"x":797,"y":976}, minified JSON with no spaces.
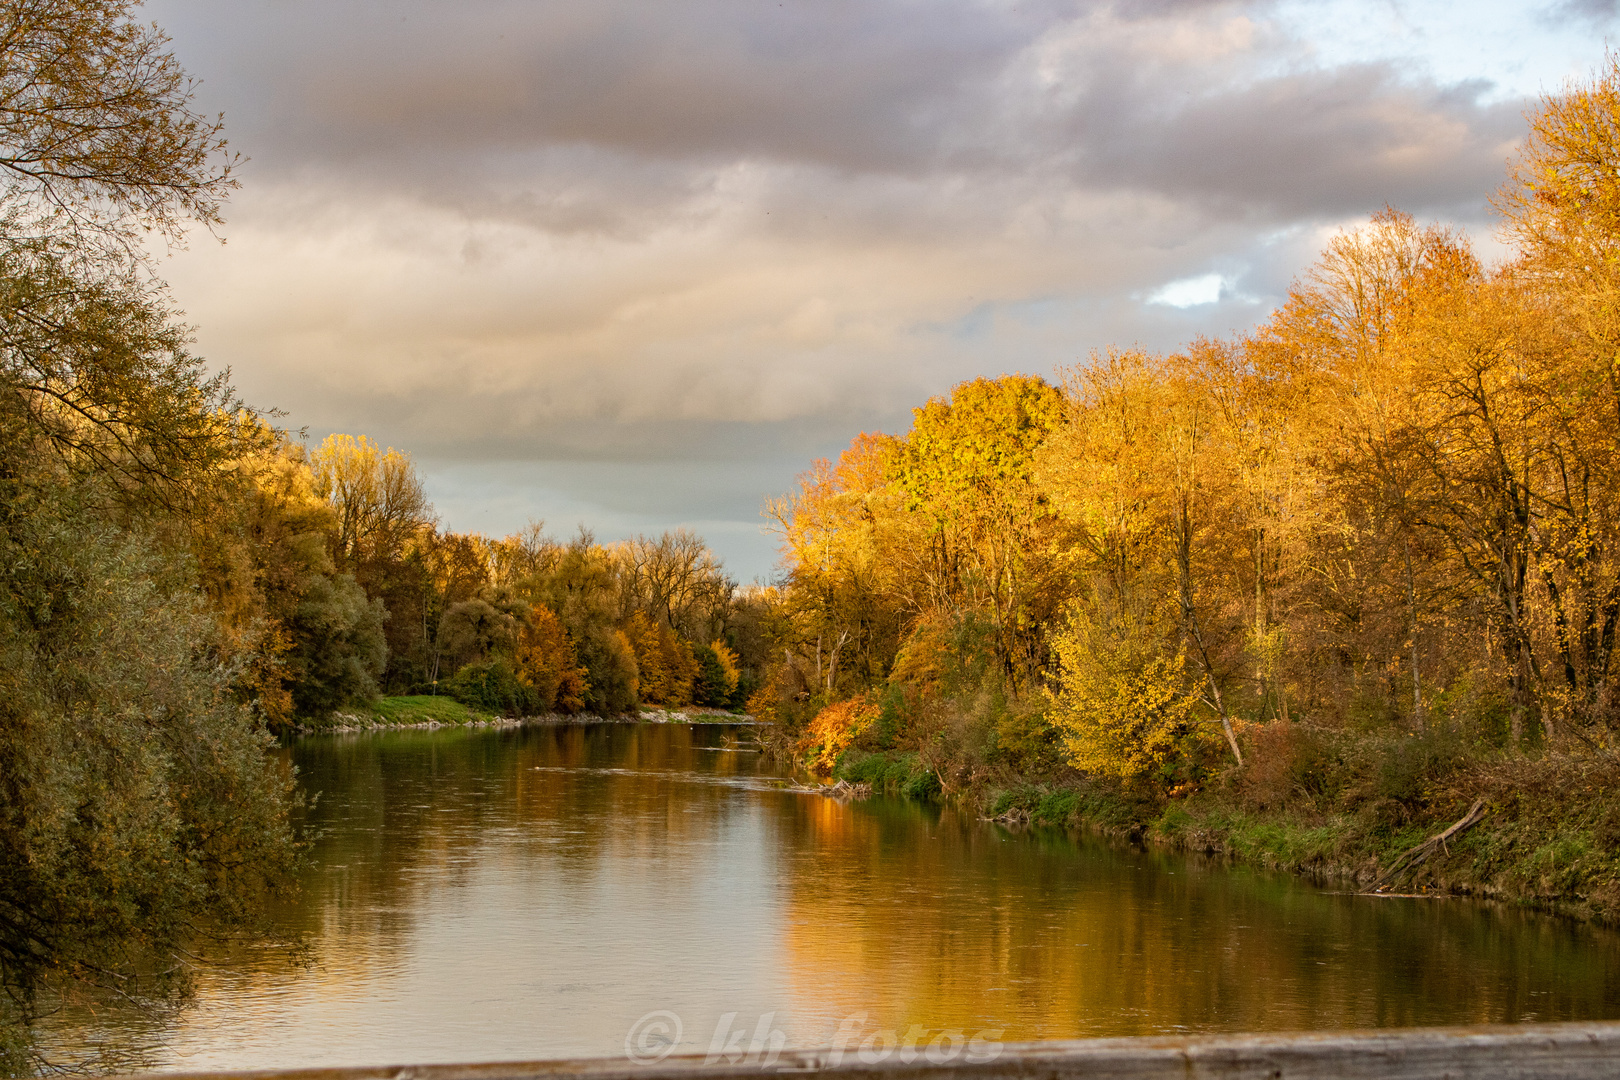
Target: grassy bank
{"x":424,"y":711}
{"x":1549,"y":838}
{"x":408,"y":711}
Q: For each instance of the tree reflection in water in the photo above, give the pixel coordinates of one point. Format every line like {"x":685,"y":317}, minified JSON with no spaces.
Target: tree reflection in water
{"x":531,"y":893}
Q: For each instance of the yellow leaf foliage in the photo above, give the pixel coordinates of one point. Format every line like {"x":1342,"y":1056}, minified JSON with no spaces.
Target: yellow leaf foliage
{"x":1124,"y":706}
{"x":665,"y":663}
{"x":728,"y":664}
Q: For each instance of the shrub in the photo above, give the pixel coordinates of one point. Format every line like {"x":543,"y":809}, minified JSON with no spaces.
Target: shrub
{"x":338,"y":646}
{"x":834,"y":730}
{"x":1285,"y":762}
{"x":493,"y":686}
{"x":712,"y":685}
{"x":613,"y":678}
{"x":1123,"y":706}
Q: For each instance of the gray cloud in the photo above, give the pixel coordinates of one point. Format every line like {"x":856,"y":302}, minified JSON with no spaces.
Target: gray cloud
{"x":514,"y":106}
{"x":1598,"y":13}
{"x":1318,"y":142}
{"x":641,"y":261}
{"x":846,"y":83}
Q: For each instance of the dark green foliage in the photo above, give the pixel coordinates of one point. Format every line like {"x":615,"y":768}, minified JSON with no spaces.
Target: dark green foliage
{"x":709,"y":687}
{"x":747,"y":684}
{"x":891,"y":721}
{"x":484,"y":626}
{"x":899,"y":774}
{"x":923,"y":784}
{"x":611,"y":668}
{"x":137,"y":800}
{"x":1105,"y":805}
{"x":339,"y":648}
{"x":492,"y":685}
{"x":141,"y":816}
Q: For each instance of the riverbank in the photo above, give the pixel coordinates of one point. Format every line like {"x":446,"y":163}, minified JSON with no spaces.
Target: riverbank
{"x":430,"y":712}
{"x":1545,"y":834}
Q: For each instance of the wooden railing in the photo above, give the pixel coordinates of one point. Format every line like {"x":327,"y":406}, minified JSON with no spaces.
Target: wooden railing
{"x":1578,"y":1051}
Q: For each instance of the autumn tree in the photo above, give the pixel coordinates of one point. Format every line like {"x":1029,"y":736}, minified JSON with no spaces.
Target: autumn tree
{"x":664,"y":664}
{"x":843,"y":534}
{"x":1342,"y":360}
{"x":582,"y":588}
{"x":376,"y":495}
{"x":1141,"y":475}
{"x":310,"y":638}
{"x":675,"y":580}
{"x":99,"y":142}
{"x":549,"y":664}
{"x":1561,"y":208}
{"x":966,"y":470}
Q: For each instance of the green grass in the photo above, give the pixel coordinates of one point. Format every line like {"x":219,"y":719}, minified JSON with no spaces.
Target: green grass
{"x":422,"y":709}
{"x":889,"y":771}
{"x":1068,"y":806}
{"x":1277,"y":841}
{"x":405,"y":711}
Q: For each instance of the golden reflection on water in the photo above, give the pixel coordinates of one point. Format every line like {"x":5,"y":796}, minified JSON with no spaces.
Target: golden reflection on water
{"x":532,"y":893}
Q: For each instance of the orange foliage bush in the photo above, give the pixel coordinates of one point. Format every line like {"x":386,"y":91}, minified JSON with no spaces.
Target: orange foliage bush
{"x":834,"y":730}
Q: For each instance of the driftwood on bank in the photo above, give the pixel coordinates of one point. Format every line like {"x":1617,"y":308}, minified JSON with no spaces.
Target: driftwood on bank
{"x":1417,"y":856}
{"x":843,"y":791}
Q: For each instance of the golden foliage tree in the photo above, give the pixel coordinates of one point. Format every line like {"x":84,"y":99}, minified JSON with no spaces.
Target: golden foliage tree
{"x":547,"y":662}
{"x":376,"y":495}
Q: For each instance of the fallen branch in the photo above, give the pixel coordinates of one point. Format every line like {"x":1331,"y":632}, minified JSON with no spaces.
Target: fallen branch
{"x":1417,"y":856}
{"x":843,"y":791}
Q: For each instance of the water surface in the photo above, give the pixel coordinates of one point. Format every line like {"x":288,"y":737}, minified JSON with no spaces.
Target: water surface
{"x":534,"y":893}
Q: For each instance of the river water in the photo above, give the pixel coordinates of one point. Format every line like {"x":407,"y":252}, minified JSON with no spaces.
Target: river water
{"x":537,"y":893}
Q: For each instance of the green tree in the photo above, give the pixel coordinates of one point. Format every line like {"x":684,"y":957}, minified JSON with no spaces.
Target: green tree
{"x":137,"y":801}
{"x":338,"y":645}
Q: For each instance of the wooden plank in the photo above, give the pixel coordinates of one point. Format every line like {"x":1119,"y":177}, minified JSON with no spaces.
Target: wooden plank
{"x":1575,"y":1051}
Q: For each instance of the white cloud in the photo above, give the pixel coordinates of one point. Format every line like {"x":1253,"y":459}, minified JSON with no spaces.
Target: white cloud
{"x":1190,"y":292}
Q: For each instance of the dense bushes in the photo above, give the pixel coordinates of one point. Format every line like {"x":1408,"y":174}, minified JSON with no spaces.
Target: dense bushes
{"x":492,"y":685}
{"x":338,"y":648}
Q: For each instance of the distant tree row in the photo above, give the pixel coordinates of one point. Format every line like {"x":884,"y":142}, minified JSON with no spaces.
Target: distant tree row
{"x":331,"y":560}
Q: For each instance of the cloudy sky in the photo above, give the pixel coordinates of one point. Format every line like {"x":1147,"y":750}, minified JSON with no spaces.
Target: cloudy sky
{"x":635,"y":263}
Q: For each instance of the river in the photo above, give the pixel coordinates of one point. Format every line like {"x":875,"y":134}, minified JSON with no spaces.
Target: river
{"x":538,"y":892}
